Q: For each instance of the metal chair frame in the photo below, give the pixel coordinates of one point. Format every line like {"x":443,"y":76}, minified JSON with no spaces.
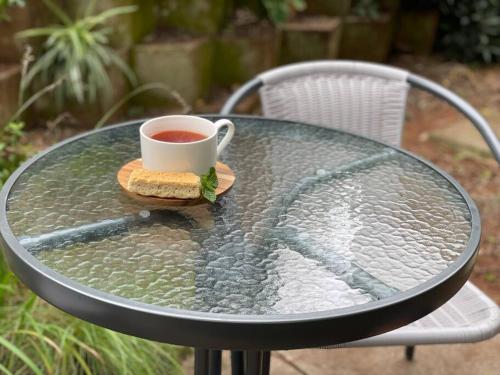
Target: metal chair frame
{"x":413,"y":80}
{"x":430,"y":329}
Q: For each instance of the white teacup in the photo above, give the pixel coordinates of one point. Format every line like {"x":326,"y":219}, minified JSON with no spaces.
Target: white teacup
{"x":197,"y":157}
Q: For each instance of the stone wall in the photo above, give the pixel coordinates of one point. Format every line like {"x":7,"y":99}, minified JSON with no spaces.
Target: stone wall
{"x":197,"y":46}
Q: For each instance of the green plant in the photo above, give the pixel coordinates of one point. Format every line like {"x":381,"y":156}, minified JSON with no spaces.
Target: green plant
{"x":11,"y":152}
{"x":369,"y":9}
{"x":279,"y":11}
{"x":469,"y":30}
{"x":78,"y":52}
{"x":4,"y":4}
{"x":37,"y":339}
{"x":209,"y":183}
{"x":419,"y":4}
{"x":154,"y":86}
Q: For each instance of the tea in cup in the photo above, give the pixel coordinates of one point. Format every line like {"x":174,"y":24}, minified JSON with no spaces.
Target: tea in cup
{"x":182,"y":143}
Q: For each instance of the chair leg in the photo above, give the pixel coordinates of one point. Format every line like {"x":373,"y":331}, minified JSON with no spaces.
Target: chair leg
{"x":409,"y":352}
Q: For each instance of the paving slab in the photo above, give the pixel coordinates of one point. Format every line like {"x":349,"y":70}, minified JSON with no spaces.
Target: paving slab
{"x":458,"y":359}
{"x":463,"y":134}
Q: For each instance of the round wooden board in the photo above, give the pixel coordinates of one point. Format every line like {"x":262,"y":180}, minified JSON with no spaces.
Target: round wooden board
{"x":225,"y":175}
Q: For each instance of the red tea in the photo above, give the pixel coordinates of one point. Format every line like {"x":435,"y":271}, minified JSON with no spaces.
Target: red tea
{"x":178,"y":136}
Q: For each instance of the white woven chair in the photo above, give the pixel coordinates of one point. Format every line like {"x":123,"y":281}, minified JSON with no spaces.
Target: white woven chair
{"x":370,"y":100}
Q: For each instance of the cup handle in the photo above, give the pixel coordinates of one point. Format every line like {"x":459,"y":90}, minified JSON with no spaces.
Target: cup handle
{"x":229,"y":135}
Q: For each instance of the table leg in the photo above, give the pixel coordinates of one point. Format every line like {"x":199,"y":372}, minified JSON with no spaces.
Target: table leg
{"x":215,"y":362}
{"x":257,"y":362}
{"x":207,"y":362}
{"x":200,"y":361}
{"x":266,"y":363}
{"x":237,"y":363}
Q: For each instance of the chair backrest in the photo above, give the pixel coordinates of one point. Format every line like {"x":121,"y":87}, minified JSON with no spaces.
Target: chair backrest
{"x":362,"y":98}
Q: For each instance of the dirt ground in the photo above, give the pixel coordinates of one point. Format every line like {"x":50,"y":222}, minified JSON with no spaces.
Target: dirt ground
{"x":479,"y":175}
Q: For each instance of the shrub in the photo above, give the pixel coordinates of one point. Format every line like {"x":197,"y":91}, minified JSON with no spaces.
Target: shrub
{"x":11,"y":151}
{"x":37,"y":339}
{"x":279,"y":11}
{"x":469,"y":30}
{"x":369,"y":9}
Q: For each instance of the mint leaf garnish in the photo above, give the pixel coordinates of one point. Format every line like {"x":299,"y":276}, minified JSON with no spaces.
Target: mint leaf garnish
{"x":209,"y":183}
{"x":209,"y":195}
{"x":212,"y":178}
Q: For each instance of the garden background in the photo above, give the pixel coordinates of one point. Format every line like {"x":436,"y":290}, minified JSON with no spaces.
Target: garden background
{"x":67,"y":66}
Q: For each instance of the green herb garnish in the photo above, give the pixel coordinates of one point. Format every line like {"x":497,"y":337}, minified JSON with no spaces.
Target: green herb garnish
{"x":209,"y":183}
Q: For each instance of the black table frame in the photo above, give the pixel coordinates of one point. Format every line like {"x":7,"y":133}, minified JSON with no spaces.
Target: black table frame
{"x":255,"y":334}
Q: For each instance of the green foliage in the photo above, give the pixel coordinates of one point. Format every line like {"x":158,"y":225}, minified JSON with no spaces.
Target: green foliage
{"x":35,"y":338}
{"x":4,"y":4}
{"x":366,"y":8}
{"x":77,"y":51}
{"x":209,"y":183}
{"x":154,"y":86}
{"x":419,"y":4}
{"x":11,"y":152}
{"x":279,"y":11}
{"x":469,"y":30}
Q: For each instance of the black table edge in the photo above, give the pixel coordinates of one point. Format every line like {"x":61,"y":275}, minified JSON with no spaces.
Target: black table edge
{"x":228,"y":331}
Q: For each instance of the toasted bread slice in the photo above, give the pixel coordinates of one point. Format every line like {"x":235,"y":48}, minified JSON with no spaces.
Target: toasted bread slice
{"x":164,"y":184}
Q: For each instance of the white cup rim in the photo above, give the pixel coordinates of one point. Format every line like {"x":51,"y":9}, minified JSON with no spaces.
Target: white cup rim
{"x":173,"y":117}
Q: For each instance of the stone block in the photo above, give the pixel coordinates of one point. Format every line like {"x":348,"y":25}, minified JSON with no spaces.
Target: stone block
{"x":183,"y":65}
{"x":33,"y":14}
{"x":310,"y":38}
{"x":462,"y":134}
{"x":416,"y":31}
{"x":240,"y":56}
{"x":366,"y":39}
{"x":195,"y":16}
{"x":390,"y":6}
{"x":255,"y":6}
{"x":126,"y":28}
{"x":337,"y":8}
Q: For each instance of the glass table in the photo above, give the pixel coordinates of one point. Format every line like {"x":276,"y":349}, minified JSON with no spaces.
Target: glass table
{"x":326,"y":237}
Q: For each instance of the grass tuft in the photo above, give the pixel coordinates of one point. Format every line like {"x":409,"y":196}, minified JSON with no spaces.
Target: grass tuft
{"x":39,"y":339}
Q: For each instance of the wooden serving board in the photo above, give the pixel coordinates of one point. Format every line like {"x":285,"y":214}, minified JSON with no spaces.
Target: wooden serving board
{"x":225,"y":175}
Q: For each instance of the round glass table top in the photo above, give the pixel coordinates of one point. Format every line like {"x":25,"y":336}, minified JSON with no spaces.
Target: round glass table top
{"x":317,"y":220}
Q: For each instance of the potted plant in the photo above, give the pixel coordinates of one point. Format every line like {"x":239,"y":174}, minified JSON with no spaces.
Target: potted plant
{"x":178,"y":60}
{"x":334,"y":8}
{"x":76,"y":53}
{"x":195,"y":16}
{"x":367,"y":32}
{"x":244,"y":49}
{"x":417,"y":26}
{"x":304,"y":37}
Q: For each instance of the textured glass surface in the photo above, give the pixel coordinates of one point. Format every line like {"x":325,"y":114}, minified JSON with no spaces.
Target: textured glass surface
{"x":316,"y":220}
